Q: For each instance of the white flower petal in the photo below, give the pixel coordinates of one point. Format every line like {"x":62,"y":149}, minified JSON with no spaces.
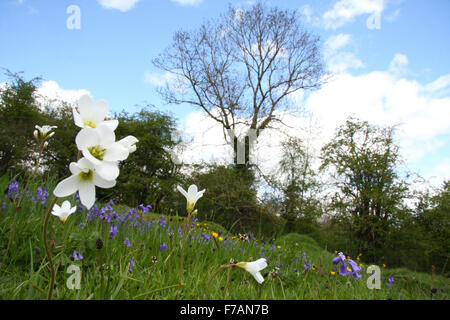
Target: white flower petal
{"x":183,"y":192}
{"x":77,"y":118}
{"x":107,"y":170}
{"x":87,"y":194}
{"x":106,"y":135}
{"x":258,"y":277}
{"x":87,"y":137}
{"x":112,"y":124}
{"x":74,"y":168}
{"x":100,"y":112}
{"x":116,"y":152}
{"x":85,"y":165}
{"x":85,"y":107}
{"x":102,"y":183}
{"x":67,"y":187}
{"x":65,"y":206}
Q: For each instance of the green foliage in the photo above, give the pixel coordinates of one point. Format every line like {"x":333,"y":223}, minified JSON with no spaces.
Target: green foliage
{"x":363,"y":160}
{"x":299,"y":185}
{"x":149,"y":174}
{"x":155,"y":272}
{"x":62,"y":149}
{"x":230,"y":200}
{"x":19,"y":113}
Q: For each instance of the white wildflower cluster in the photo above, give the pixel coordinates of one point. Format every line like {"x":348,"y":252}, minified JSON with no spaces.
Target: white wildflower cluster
{"x":99,"y":166}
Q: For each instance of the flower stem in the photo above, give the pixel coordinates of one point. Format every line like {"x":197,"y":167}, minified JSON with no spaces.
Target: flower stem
{"x":215,"y":274}
{"x":182,"y":248}
{"x":47,"y":251}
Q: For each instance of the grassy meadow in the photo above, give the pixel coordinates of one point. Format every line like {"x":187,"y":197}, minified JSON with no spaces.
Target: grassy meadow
{"x":134,"y":253}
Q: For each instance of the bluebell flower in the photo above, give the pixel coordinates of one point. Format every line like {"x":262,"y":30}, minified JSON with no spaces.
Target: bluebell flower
{"x":131,"y":265}
{"x":13,"y":189}
{"x":113,"y":231}
{"x":163,"y":247}
{"x":162,"y":222}
{"x":77,"y":256}
{"x":127,"y":242}
{"x":351,"y":269}
{"x":389,"y":282}
{"x":206,"y":237}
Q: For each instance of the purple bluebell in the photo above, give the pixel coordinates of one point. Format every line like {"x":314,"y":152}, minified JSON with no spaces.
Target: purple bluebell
{"x":163,"y":247}
{"x":206,"y":237}
{"x":13,"y":189}
{"x":41,"y":195}
{"x":389,"y":282}
{"x":146,"y":208}
{"x":113,"y":231}
{"x":77,"y":256}
{"x":162,"y":222}
{"x":127,"y":242}
{"x":131,"y":265}
{"x":344,"y":268}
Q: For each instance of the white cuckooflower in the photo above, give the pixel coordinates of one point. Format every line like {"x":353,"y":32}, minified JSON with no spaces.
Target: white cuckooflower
{"x":84,"y":178}
{"x":92,"y":114}
{"x":44,"y":131}
{"x":100,"y":147}
{"x":192,"y":195}
{"x":129,"y":142}
{"x":64,"y":211}
{"x":254,"y":268}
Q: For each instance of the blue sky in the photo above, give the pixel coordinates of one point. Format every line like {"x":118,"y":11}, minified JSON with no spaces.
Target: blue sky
{"x":398,"y":48}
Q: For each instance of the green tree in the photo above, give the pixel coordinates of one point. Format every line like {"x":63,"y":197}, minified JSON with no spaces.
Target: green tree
{"x":230,"y":201}
{"x":363,"y":161}
{"x":299,"y":185}
{"x":61,"y":150}
{"x":149,"y":175}
{"x":19,"y":113}
{"x":433,"y":217}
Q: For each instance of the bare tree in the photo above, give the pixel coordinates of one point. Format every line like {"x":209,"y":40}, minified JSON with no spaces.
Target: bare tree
{"x":240,"y":68}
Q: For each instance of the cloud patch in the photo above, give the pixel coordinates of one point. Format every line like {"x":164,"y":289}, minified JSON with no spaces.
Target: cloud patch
{"x":345,"y":11}
{"x":122,"y":5}
{"x":188,"y":2}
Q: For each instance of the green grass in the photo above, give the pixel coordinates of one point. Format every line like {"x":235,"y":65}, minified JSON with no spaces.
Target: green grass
{"x":24,"y":274}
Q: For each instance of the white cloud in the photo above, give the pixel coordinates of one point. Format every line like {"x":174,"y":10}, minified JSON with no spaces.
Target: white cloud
{"x":399,"y":64}
{"x":188,"y":2}
{"x":162,"y":79}
{"x":338,"y":41}
{"x":380,"y":97}
{"x":51,"y":92}
{"x":122,"y":5}
{"x":337,"y":60}
{"x":345,"y":11}
{"x":442,"y":170}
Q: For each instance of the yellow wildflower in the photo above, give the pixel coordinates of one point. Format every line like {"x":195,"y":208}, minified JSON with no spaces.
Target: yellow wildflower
{"x":215,"y":235}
